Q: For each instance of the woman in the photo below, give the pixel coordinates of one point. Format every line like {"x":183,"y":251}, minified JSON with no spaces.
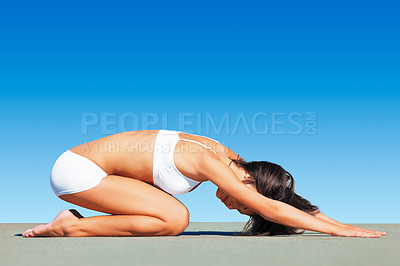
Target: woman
{"x":133,"y":175}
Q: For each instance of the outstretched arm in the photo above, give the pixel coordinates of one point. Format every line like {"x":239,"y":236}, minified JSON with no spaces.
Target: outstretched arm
{"x":322,"y":216}
{"x":213,"y":169}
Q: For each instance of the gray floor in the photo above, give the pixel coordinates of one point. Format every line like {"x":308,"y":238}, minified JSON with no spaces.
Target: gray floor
{"x":201,"y":244}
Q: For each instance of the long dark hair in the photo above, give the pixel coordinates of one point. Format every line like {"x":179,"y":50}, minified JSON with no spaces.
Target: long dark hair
{"x":274,"y":182}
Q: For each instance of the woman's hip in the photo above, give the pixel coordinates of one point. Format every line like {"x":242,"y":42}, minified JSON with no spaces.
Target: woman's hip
{"x":74,"y":173}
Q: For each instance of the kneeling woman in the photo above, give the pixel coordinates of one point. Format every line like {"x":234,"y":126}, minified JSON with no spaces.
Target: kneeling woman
{"x":133,"y":175}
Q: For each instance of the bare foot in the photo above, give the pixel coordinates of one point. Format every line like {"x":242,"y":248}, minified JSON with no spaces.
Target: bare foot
{"x":57,"y":227}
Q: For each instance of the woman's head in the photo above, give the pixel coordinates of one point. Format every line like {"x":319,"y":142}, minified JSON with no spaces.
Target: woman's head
{"x":274,"y":182}
{"x":231,"y":203}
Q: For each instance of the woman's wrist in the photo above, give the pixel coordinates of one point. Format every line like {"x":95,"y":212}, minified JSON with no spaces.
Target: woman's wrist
{"x":334,"y":228}
{"x":322,"y":216}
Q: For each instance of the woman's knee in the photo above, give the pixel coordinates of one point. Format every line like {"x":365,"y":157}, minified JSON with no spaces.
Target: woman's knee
{"x":177,"y":221}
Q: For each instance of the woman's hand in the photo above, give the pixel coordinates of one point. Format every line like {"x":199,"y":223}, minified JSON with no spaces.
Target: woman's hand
{"x":354,"y":231}
{"x":351,"y":230}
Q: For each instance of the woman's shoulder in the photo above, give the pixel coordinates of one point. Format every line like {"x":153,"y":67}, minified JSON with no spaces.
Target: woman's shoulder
{"x":215,"y":145}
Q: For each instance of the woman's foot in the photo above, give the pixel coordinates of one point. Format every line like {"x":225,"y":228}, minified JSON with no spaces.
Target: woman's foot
{"x":57,"y":227}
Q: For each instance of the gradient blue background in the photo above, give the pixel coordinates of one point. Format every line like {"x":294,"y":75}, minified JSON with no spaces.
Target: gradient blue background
{"x":339,"y":59}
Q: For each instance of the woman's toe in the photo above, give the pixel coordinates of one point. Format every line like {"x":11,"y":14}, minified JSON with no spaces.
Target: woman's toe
{"x":27,"y":233}
{"x":40,"y":230}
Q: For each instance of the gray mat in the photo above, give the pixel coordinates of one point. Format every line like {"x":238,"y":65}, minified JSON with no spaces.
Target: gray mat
{"x":201,"y":244}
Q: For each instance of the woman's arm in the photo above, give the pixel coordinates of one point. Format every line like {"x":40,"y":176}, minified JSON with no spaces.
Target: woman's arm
{"x":321,"y":216}
{"x":213,"y":169}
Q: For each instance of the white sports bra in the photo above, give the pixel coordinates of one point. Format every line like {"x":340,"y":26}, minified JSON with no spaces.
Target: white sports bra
{"x":165,"y":174}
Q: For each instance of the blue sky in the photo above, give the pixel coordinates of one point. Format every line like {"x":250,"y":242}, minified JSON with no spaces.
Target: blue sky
{"x":311,"y":86}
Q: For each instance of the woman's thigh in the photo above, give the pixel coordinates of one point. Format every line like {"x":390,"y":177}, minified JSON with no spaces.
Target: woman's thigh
{"x":123,"y":195}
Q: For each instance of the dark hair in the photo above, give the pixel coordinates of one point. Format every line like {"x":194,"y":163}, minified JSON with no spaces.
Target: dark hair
{"x":274,"y":182}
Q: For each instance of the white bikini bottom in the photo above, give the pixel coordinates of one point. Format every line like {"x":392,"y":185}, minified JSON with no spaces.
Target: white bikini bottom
{"x":74,"y":173}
